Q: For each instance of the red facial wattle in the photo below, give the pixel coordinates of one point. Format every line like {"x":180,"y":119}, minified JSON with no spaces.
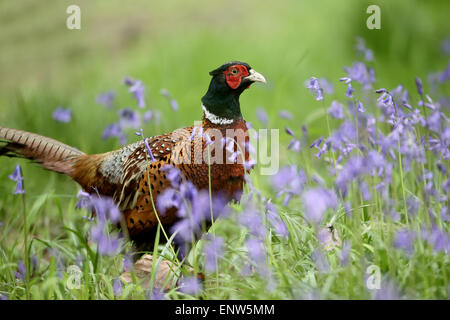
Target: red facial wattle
{"x":234,"y":75}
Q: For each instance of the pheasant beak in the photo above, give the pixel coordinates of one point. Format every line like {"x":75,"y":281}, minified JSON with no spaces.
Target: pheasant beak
{"x":255,"y":77}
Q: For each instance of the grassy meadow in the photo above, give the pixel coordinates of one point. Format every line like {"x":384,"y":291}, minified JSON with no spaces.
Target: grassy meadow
{"x":361,"y":194}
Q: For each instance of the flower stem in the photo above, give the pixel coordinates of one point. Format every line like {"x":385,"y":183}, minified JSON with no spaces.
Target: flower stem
{"x":405,"y":208}
{"x":26,"y":255}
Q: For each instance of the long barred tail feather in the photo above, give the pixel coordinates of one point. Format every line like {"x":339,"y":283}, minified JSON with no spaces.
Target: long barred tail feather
{"x":49,"y":153}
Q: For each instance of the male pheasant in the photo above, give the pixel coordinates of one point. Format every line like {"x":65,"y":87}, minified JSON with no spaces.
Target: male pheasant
{"x":127,"y":175}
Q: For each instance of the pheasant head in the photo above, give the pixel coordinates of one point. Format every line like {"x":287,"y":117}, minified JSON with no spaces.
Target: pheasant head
{"x":221,"y":101}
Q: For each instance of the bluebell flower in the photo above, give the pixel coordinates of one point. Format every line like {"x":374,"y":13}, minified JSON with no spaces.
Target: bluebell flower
{"x":137,"y":88}
{"x":429,"y":103}
{"x":321,"y":261}
{"x":285,"y":114}
{"x":193,"y":208}
{"x":21,"y":271}
{"x":322,"y":149}
{"x":348,"y":209}
{"x":419,"y":86}
{"x":326,"y":86}
{"x":148,"y":116}
{"x":112,"y":130}
{"x":364,"y":189}
{"x":248,"y":165}
{"x":105,"y":208}
{"x":174,"y":175}
{"x":117,"y":287}
{"x":188,"y":191}
{"x":84,"y":200}
{"x":200,"y":132}
{"x":127,"y":263}
{"x":336,"y":110}
{"x":17,"y":177}
{"x":345,"y":80}
{"x":194,"y":130}
{"x":106,"y":98}
{"x":262,"y":116}
{"x":316,"y":202}
{"x":246,"y":270}
{"x":433,"y":122}
{"x":231,"y":146}
{"x":445,"y":216}
{"x":404,"y":239}
{"x":446,"y":46}
{"x":360,"y":73}
{"x":360,"y":107}
{"x":251,"y":219}
{"x":173,"y":103}
{"x":289,"y":131}
{"x":129,"y":119}
{"x":290,"y":181}
{"x":445,"y":75}
{"x":345,"y":252}
{"x":149,"y":150}
{"x":438,"y":239}
{"x":60,"y":262}
{"x":208,"y":140}
{"x":275,"y":220}
{"x":157,"y":117}
{"x":107,"y":212}
{"x":446,"y":185}
{"x":107,"y":244}
{"x":363,"y":50}
{"x":255,"y":250}
{"x":314,"y":86}
{"x":354,"y":167}
{"x":167,"y":199}
{"x":350,"y":90}
{"x":341,"y":138}
{"x":316,"y":143}
{"x":62,"y":115}
{"x":156,"y":294}
{"x":140,"y":133}
{"x":214,"y":251}
{"x":294,"y":145}
{"x":191,"y":285}
{"x":388,"y":291}
{"x":165,"y":93}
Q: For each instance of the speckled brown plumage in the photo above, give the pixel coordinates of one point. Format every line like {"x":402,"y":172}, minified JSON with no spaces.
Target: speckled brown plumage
{"x":225,"y":178}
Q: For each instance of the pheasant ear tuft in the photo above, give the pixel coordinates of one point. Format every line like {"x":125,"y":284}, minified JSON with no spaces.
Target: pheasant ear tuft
{"x":225,"y":66}
{"x":216,"y":71}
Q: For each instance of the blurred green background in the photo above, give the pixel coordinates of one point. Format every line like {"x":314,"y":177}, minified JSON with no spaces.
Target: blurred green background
{"x":174,"y":44}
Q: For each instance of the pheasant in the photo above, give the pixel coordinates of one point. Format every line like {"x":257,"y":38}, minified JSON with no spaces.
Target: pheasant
{"x":129,"y":174}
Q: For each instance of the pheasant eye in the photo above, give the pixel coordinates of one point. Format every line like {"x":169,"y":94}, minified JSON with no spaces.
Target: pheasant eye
{"x":234,"y":71}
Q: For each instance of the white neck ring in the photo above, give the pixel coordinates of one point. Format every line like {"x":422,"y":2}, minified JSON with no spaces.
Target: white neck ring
{"x":215,"y":119}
